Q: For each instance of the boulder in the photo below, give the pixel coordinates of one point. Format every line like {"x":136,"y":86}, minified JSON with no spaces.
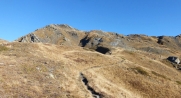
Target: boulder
{"x":174,"y":59}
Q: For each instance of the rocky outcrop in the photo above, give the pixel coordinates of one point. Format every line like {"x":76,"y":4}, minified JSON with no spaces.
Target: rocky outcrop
{"x":29,"y":38}
{"x":102,"y":41}
{"x":174,"y":59}
{"x":170,"y":41}
{"x":160,"y":40}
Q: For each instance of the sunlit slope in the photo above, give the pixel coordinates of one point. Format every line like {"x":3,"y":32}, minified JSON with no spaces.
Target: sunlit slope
{"x":47,"y":70}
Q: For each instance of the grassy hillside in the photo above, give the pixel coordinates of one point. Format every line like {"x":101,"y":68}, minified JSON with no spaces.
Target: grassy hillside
{"x":58,"y":61}
{"x":37,"y":70}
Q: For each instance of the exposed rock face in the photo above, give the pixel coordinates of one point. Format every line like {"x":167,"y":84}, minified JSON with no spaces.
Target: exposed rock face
{"x":30,"y":38}
{"x":95,"y":38}
{"x":160,"y":40}
{"x":170,"y":41}
{"x":102,"y":41}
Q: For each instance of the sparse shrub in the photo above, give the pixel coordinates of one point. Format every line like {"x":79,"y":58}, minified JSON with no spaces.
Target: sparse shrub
{"x":178,"y":82}
{"x":140,"y":71}
{"x":159,"y":75}
{"x":138,"y":85}
{"x":28,"y":68}
{"x":79,"y":60}
{"x":3,"y":48}
{"x":43,"y":68}
{"x":123,"y":58}
{"x":130,"y":52}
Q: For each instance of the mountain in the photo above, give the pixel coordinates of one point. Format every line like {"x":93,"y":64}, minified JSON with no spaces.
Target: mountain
{"x":104,"y":42}
{"x":58,"y":61}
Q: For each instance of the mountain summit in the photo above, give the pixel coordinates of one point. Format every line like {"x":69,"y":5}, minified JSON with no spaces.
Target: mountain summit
{"x":54,"y":34}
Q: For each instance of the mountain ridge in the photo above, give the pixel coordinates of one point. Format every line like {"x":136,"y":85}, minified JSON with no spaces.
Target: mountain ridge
{"x":63,"y":34}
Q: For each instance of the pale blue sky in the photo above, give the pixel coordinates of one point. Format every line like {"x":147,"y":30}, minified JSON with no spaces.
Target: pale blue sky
{"x":150,"y":17}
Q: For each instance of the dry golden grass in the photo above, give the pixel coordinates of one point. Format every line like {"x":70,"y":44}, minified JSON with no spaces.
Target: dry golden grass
{"x":3,"y":48}
{"x":140,"y":71}
{"x":36,"y":70}
{"x":179,"y":82}
{"x":137,"y":69}
{"x":159,"y":75}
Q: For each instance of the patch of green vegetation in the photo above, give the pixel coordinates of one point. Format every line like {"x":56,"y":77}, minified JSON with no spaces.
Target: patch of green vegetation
{"x":138,"y":85}
{"x":28,"y":69}
{"x":178,"y":82}
{"x":130,"y":52}
{"x":123,"y":58}
{"x":3,"y":48}
{"x":159,"y":75}
{"x":43,"y":68}
{"x":140,"y":71}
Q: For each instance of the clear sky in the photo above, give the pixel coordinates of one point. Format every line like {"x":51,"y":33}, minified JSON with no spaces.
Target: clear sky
{"x":150,"y":17}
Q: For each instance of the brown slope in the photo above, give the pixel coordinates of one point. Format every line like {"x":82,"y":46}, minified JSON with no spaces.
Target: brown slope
{"x":47,"y":70}
{"x":136,"y":68}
